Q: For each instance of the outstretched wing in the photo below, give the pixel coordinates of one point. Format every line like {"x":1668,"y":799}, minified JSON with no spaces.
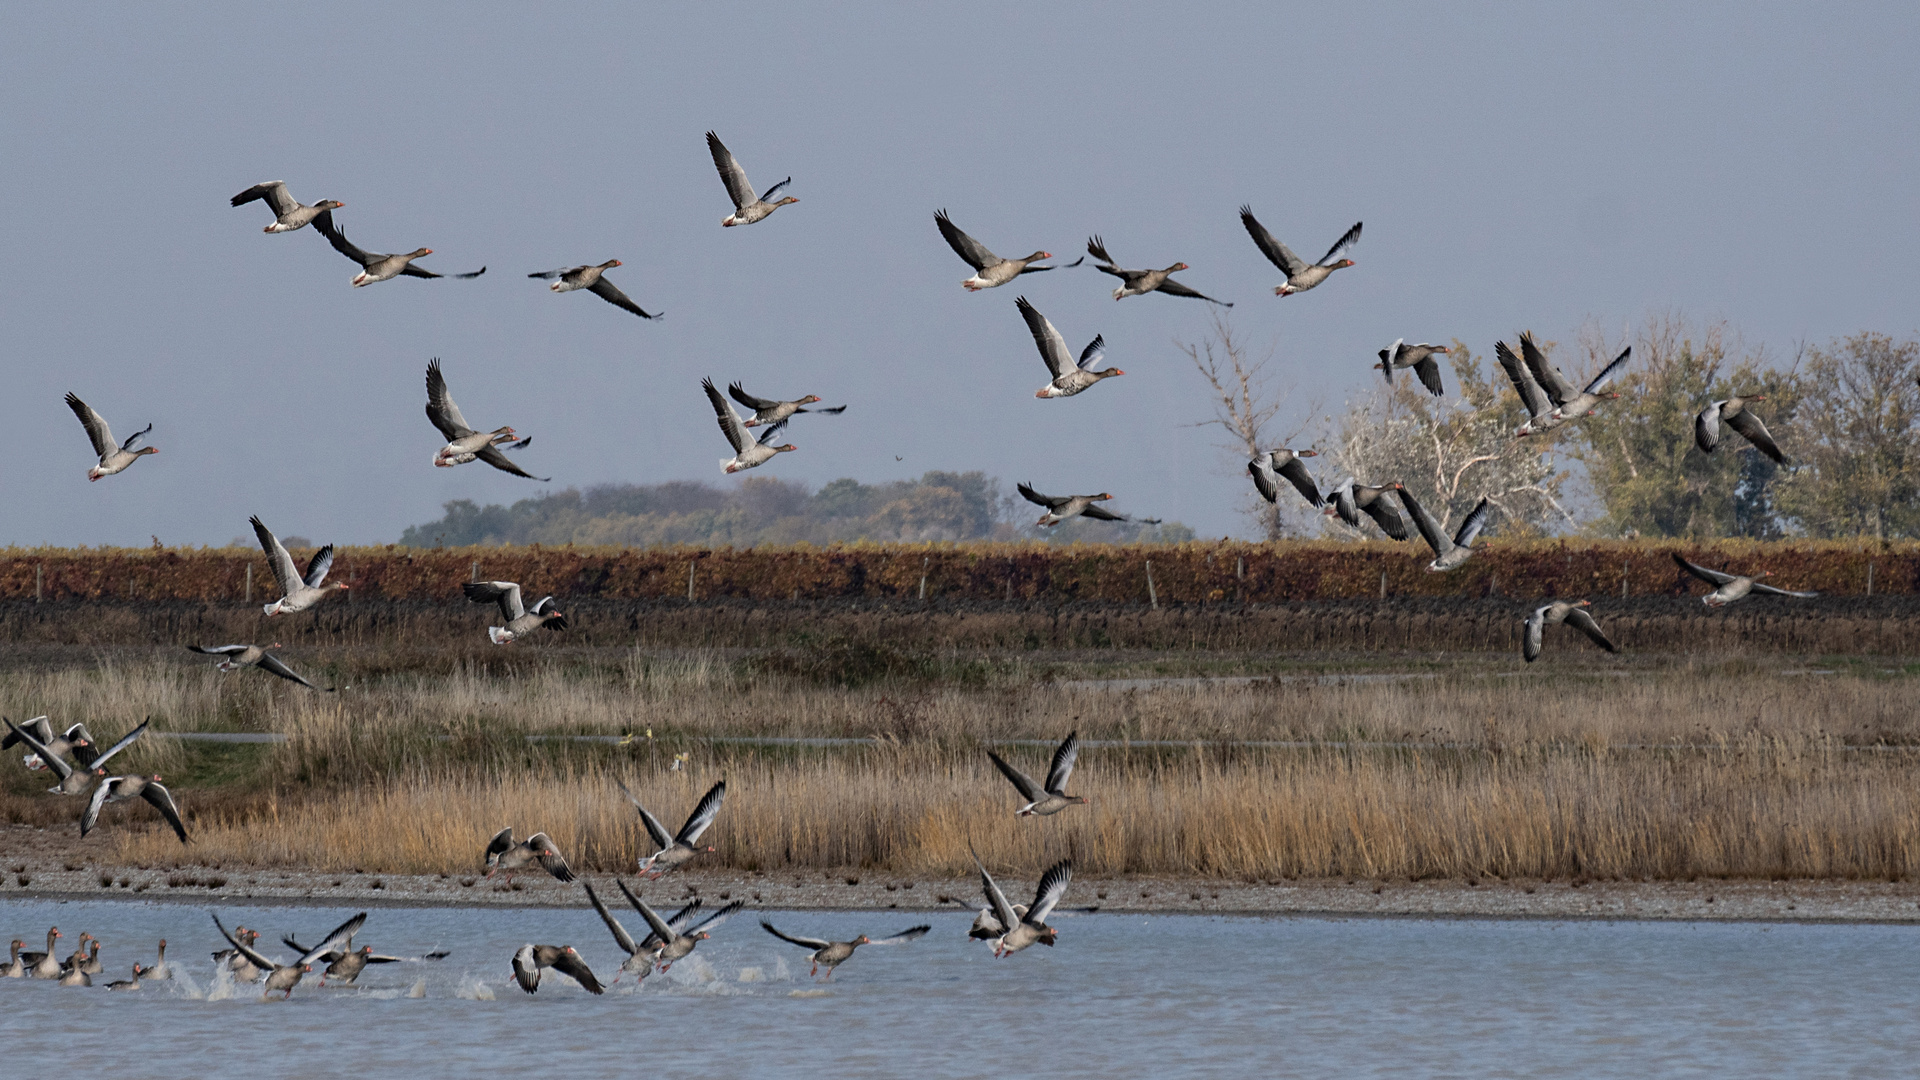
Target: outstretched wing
{"x":767,"y":195}
{"x":1706,"y":427}
{"x":1544,"y":373}
{"x":285,"y":574}
{"x":60,"y":768}
{"x":92,"y":817}
{"x":1530,"y":393}
{"x":1607,"y":373}
{"x":1429,"y":372}
{"x":730,"y":425}
{"x":323,"y":223}
{"x":767,"y":433}
{"x":553,"y":862}
{"x":97,"y":430}
{"x":1430,"y":530}
{"x":1053,"y":347}
{"x":491,"y":455}
{"x":441,"y":411}
{"x":1583,"y":621}
{"x":501,"y":843}
{"x":1476,"y":520}
{"x":410,"y":270}
{"x":972,"y":251}
{"x":902,"y":937}
{"x":1174,"y":288}
{"x":1264,"y":478}
{"x":1051,"y":502}
{"x":337,"y":941}
{"x":1053,"y":885}
{"x":1295,"y":470}
{"x":804,"y":942}
{"x":1711,"y":577}
{"x":703,"y":814}
{"x":273,"y":191}
{"x":1757,"y":587}
{"x":1756,"y":432}
{"x":1064,"y":757}
{"x":273,"y":664}
{"x":663,"y":931}
{"x":1350,"y":238}
{"x":318,"y":566}
{"x":608,"y":291}
{"x":253,"y":957}
{"x":125,"y":741}
{"x":731,"y":174}
{"x":1531,"y":644}
{"x":996,"y":900}
{"x":620,"y":935}
{"x":1029,"y":790}
{"x":655,"y":831}
{"x":1275,"y":251}
{"x":505,"y":594}
{"x":739,"y":393}
{"x":1099,"y":514}
{"x":1097,"y":248}
{"x":713,"y":921}
{"x":568,"y":963}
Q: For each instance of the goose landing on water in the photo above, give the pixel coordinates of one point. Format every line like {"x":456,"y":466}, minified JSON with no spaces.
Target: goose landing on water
{"x":1301,"y":275}
{"x":1731,"y":587}
{"x":285,"y":977}
{"x":1574,"y":614}
{"x":1024,"y":928}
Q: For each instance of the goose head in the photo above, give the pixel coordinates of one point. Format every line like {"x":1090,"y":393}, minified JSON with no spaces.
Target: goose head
{"x":418,"y":252}
{"x":1037,"y":256}
{"x":810,"y":399}
{"x":1306,"y":453}
{"x":1103,"y":496}
{"x":785,"y":201}
{"x":1175,"y":268}
{"x":1341,"y":265}
{"x":610,"y":264}
{"x":328,"y":204}
{"x":785,"y":449}
{"x":861,"y":940}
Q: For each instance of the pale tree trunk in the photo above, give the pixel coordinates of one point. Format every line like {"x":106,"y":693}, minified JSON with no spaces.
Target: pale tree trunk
{"x":1243,"y":404}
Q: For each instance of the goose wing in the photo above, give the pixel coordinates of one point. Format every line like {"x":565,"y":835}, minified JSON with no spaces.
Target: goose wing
{"x":620,"y":935}
{"x":655,"y":831}
{"x":608,"y":291}
{"x":125,"y":741}
{"x":97,"y":430}
{"x":713,"y":921}
{"x":219,"y":650}
{"x":902,"y":937}
{"x":1275,"y":251}
{"x":1064,"y":757}
{"x":1607,"y":373}
{"x":491,"y":455}
{"x":703,"y":814}
{"x":1430,"y":530}
{"x":1174,"y":288}
{"x":329,"y":955}
{"x":1544,"y":373}
{"x":553,"y":862}
{"x":338,"y":941}
{"x":1095,"y":351}
{"x":1095,"y":512}
{"x":815,"y":944}
{"x":1265,"y":480}
{"x":324,"y":224}
{"x":1384,"y":516}
{"x":1475,"y":521}
{"x":1097,"y":248}
{"x":972,"y":251}
{"x":1053,"y":885}
{"x":253,"y":957}
{"x":1583,"y":621}
{"x":758,"y":404}
{"x":1295,"y":470}
{"x":318,"y":566}
{"x":285,"y":575}
{"x":505,"y":594}
{"x":38,"y":725}
{"x":767,"y":433}
{"x":549,"y":275}
{"x":1756,"y":432}
{"x":739,"y":189}
{"x":1347,"y":239}
{"x":273,"y":664}
{"x":568,"y":963}
{"x":1051,"y":502}
{"x":410,"y":270}
{"x":273,"y":191}
{"x":1003,"y":912}
{"x":1711,"y":577}
{"x":501,"y":843}
{"x":730,"y":424}
{"x":1029,"y":790}
{"x":663,"y":931}
{"x":1053,"y":347}
{"x":767,"y":195}
{"x":60,"y":768}
{"x":1530,"y":393}
{"x":92,"y":817}
{"x":1429,"y":371}
{"x":1534,"y":640}
{"x":1757,"y":587}
{"x":441,"y":411}
{"x":1706,"y":427}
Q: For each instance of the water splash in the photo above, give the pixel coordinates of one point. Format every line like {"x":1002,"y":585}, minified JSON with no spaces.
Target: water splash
{"x":223,"y":985}
{"x":473,"y":988}
{"x":418,"y":989}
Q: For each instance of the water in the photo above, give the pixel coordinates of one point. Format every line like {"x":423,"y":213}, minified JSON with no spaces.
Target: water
{"x":1121,"y":996}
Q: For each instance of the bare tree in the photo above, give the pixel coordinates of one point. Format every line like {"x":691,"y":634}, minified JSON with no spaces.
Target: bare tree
{"x":1244,"y":402}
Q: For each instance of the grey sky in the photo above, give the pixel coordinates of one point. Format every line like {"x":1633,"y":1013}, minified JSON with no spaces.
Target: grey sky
{"x":1516,"y":166}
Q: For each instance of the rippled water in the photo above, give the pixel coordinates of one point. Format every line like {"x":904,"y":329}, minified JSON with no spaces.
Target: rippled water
{"x":1121,"y":996}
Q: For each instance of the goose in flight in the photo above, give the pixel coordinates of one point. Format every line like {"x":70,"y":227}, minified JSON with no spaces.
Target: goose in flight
{"x":589,"y":278}
{"x":677,"y":942}
{"x":121,"y":788}
{"x":59,"y":746}
{"x":639,"y":961}
{"x":298,"y":592}
{"x":747,"y":207}
{"x":1301,"y":275}
{"x":1070,"y":376}
{"x":521,"y":620}
{"x":1052,"y":797}
{"x":345,"y":963}
{"x":1062,"y":507}
{"x":768,"y":411}
{"x":72,"y":781}
{"x":831,"y":954}
{"x":1447,"y":554}
{"x":990,"y":270}
{"x":464,"y":444}
{"x":234,"y":657}
{"x":678,"y":849}
{"x":289,"y":213}
{"x":1574,"y":614}
{"x":285,"y":977}
{"x":1268,"y":469}
{"x":1568,"y":403}
{"x":1731,"y":587}
{"x":1348,"y":501}
{"x":114,"y":457}
{"x":1142,"y":282}
{"x":1418,"y":357}
{"x":1706,"y":426}
{"x":1583,"y":403}
{"x":505,"y":856}
{"x":1539,"y":408}
{"x":531,"y":960}
{"x":747,"y":452}
{"x":1025,"y":928}
{"x":375,"y":266}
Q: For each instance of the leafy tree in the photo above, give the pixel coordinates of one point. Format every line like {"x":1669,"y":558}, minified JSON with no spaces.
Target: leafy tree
{"x":1858,"y":432}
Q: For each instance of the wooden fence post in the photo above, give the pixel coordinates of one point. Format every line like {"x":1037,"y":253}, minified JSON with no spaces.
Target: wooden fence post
{"x":1869,"y":579}
{"x":924,"y":563}
{"x":473,"y":571}
{"x":1153,"y":598}
{"x":39,"y":572}
{"x":690,"y":582}
{"x":1383,"y":584}
{"x":249,"y":583}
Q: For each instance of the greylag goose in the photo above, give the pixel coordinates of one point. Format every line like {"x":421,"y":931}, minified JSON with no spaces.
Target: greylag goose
{"x":1573,"y":613}
{"x":677,"y":942}
{"x":15,"y":969}
{"x":284,"y":977}
{"x":298,"y":591}
{"x":990,"y":270}
{"x":1539,"y":409}
{"x":521,"y":620}
{"x":256,"y":656}
{"x":1418,"y":357}
{"x":1052,"y":797}
{"x":1583,"y":403}
{"x":1142,"y":282}
{"x":121,"y":788}
{"x":1027,"y":927}
{"x":1268,"y":469}
{"x":1568,"y":403}
{"x":986,"y":927}
{"x":289,"y":213}
{"x":1706,"y":426}
{"x":1731,"y":587}
{"x":464,"y":444}
{"x":747,"y":207}
{"x":374,"y":265}
{"x":672,"y":852}
{"x":72,"y":780}
{"x":133,"y":983}
{"x":114,"y":457}
{"x":533,"y":959}
{"x":70,"y":742}
{"x":1070,"y":376}
{"x":506,"y":856}
{"x":747,"y":453}
{"x":44,"y":965}
{"x":831,"y":954}
{"x":1348,"y":501}
{"x":236,"y":961}
{"x":1301,"y":275}
{"x":1062,"y":507}
{"x":345,"y":963}
{"x":79,"y":954}
{"x":161,"y":970}
{"x":639,"y":961}
{"x":91,"y":964}
{"x":589,"y":278}
{"x":767,"y":411}
{"x":1447,"y":554}
{"x":75,"y":977}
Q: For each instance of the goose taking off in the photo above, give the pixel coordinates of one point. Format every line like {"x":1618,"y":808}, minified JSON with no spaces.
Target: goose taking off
{"x":1706,"y":426}
{"x":588,"y":277}
{"x":114,"y":457}
{"x":1052,"y":797}
{"x":464,"y":444}
{"x":533,"y":959}
{"x":766,"y":411}
{"x":375,"y":266}
{"x":1062,"y":507}
{"x":1301,"y":275}
{"x":345,"y":963}
{"x":1142,"y":282}
{"x":298,"y":592}
{"x":639,"y":961}
{"x":747,"y":207}
{"x":1418,"y":357}
{"x":990,"y":270}
{"x":521,"y":621}
{"x":831,"y":954}
{"x":1447,"y":554}
{"x":1348,"y":501}
{"x":121,"y":788}
{"x":1731,"y":587}
{"x":1070,"y":376}
{"x":60,"y":746}
{"x":503,"y":855}
{"x":234,"y":657}
{"x":677,"y":942}
{"x":1024,"y":928}
{"x":1573,"y":613}
{"x":678,"y":849}
{"x":72,"y":781}
{"x":747,"y":452}
{"x":286,"y":976}
{"x":1268,"y":469}
{"x":288,"y":213}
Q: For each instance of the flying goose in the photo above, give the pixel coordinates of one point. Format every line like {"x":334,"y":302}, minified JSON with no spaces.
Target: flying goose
{"x":133,"y":983}
{"x":288,"y":213}
{"x":672,"y":852}
{"x":1731,"y":587}
{"x":257,"y":656}
{"x":990,"y":270}
{"x":1539,"y":408}
{"x":1568,"y":403}
{"x":832,"y":954}
{"x":114,"y":457}
{"x":767,"y":411}
{"x":1268,"y":469}
{"x":747,"y":453}
{"x":298,"y":592}
{"x":121,"y":788}
{"x":1030,"y":926}
{"x":1348,"y":501}
{"x":1583,"y":403}
{"x":1574,"y":613}
{"x":1706,"y":426}
{"x":589,"y":278}
{"x":285,"y":977}
{"x":1142,"y":282}
{"x":464,"y":444}
{"x":532,"y":959}
{"x":1418,"y":357}
{"x":677,"y":942}
{"x":639,"y":961}
{"x":503,"y":854}
{"x":375,"y":266}
{"x":1447,"y":554}
{"x":1062,"y":507}
{"x":74,"y":738}
{"x":1070,"y":376}
{"x":72,"y":781}
{"x":520,"y":620}
{"x":1301,"y":276}
{"x":747,"y":207}
{"x":1052,"y":797}
{"x":345,"y":963}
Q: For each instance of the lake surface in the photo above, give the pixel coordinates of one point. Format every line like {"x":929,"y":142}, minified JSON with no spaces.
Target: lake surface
{"x":1121,"y":996}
